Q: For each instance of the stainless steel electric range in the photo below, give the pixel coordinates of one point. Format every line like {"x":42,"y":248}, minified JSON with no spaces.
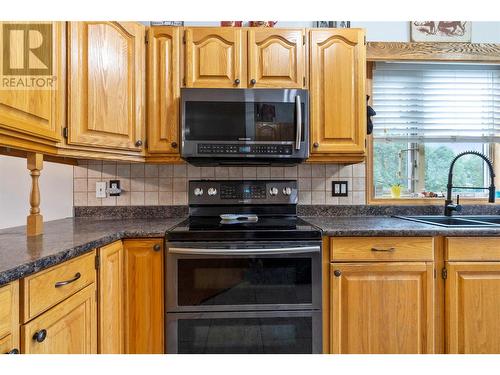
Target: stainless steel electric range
{"x":243,"y":272}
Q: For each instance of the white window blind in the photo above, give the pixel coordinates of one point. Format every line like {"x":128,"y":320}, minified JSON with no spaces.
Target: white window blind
{"x":436,"y":102}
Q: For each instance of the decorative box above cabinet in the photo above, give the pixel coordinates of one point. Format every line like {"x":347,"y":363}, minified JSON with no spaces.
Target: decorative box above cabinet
{"x":276,"y":58}
{"x":338,"y":97}
{"x":32,"y":118}
{"x":214,"y":57}
{"x":163,"y":90}
{"x":106,"y":85}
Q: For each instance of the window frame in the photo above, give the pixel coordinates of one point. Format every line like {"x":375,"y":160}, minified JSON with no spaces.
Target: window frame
{"x":423,"y":52}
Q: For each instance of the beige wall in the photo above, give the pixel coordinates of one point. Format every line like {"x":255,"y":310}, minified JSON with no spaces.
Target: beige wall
{"x":55,"y":188}
{"x":150,"y":184}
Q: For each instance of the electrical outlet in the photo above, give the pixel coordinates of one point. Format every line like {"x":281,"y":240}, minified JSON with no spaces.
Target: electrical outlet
{"x":114,"y":188}
{"x":340,"y":189}
{"x":100,"y":189}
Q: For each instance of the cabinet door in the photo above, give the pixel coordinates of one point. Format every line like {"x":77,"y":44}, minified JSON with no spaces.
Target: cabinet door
{"x":473,"y":307}
{"x":9,"y":317}
{"x":38,"y":111}
{"x":163,"y":89}
{"x":111,"y":299}
{"x":68,"y":328}
{"x":338,"y":101}
{"x":106,"y":84}
{"x":214,"y":57}
{"x":276,"y":58}
{"x":385,"y":308}
{"x":144,"y":282}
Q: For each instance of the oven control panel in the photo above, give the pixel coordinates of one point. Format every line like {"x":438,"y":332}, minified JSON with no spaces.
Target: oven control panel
{"x":225,"y":192}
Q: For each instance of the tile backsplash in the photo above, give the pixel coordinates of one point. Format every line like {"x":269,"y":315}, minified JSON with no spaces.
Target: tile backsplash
{"x":166,"y":184}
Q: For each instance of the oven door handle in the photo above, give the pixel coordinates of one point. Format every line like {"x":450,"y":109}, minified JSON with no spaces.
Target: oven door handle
{"x":272,"y":251}
{"x":298,"y":122}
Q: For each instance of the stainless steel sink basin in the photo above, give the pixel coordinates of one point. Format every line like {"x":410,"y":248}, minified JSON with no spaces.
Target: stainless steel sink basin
{"x":456,"y":221}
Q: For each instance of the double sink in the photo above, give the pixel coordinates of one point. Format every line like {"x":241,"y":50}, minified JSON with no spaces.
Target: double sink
{"x":457,"y":221}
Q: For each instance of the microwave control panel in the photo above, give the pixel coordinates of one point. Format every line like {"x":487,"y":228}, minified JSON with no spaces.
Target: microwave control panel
{"x":260,"y":149}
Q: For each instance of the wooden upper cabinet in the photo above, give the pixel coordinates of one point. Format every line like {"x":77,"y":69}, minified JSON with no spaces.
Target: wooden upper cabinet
{"x":144,"y":318}
{"x":338,"y":98}
{"x":106,"y":84}
{"x":384,"y":308}
{"x":473,"y":308}
{"x":68,"y":328}
{"x":33,"y":112}
{"x":214,"y":57}
{"x":163,"y":89}
{"x":276,"y":58}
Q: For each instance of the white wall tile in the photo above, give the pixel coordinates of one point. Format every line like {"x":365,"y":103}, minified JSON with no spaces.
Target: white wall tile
{"x":137,"y":198}
{"x":137,"y":170}
{"x":318,"y":197}
{"x":137,"y":184}
{"x":180,"y":170}
{"x":291,"y":172}
{"x":166,"y":170}
{"x":151,"y":170}
{"x":151,"y":198}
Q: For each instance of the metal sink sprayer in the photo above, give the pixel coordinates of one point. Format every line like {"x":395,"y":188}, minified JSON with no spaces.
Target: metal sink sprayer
{"x":449,"y":206}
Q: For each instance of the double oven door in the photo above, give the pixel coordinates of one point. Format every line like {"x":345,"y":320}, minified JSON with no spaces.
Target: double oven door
{"x":243,"y":298}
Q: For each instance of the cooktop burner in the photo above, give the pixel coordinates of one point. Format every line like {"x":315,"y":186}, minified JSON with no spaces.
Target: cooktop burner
{"x":243,"y":210}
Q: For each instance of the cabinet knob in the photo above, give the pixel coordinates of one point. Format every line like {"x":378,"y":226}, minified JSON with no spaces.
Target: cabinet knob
{"x":157,"y":247}
{"x":13,"y":351}
{"x":173,"y":144}
{"x":237,"y":81}
{"x":316,"y":144}
{"x":138,"y":143}
{"x":253,"y":81}
{"x":337,"y":273}
{"x":40,"y":336}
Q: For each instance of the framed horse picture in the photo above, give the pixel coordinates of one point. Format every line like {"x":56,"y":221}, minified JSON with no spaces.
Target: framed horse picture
{"x":440,"y":31}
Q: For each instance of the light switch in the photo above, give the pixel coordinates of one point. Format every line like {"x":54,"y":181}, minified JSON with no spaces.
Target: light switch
{"x":340,"y":189}
{"x":100,"y":189}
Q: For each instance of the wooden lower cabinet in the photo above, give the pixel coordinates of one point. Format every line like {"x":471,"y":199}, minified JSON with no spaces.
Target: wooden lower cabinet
{"x":68,"y":328}
{"x":382,"y":308}
{"x":473,"y":307}
{"x":9,"y":318}
{"x":111,"y":282}
{"x":144,"y":296}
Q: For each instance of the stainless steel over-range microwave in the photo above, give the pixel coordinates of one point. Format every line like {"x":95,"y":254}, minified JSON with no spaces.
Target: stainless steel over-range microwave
{"x":244,"y":126}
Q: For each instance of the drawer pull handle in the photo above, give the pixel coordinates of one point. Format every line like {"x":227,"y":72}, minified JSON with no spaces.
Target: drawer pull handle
{"x":40,"y":336}
{"x":13,"y":351}
{"x":384,"y":249}
{"x":63,"y":283}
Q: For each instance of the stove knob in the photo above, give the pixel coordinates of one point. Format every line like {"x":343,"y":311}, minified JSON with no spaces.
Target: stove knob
{"x":212,"y":191}
{"x":287,"y":191}
{"x":198,"y":191}
{"x":273,"y":191}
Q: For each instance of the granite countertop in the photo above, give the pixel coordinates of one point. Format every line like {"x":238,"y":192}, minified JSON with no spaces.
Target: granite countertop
{"x":390,"y":226}
{"x":64,"y":239}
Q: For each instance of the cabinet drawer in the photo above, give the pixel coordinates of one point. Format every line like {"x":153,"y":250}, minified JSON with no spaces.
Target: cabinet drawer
{"x":45,"y":289}
{"x":473,"y":248}
{"x":381,"y":249}
{"x":9,"y":308}
{"x":7,"y":345}
{"x":68,"y":328}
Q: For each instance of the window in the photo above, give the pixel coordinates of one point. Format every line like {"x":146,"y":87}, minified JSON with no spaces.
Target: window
{"x":426,"y":114}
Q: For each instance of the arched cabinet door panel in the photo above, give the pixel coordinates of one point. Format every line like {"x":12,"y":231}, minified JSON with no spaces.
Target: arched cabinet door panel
{"x":106,"y":84}
{"x":338,"y":101}
{"x":276,"y":58}
{"x":214,"y":57}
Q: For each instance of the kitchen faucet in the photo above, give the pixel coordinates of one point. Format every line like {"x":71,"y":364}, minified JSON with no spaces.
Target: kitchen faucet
{"x":449,"y":206}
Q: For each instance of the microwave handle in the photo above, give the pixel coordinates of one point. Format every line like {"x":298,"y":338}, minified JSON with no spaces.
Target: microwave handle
{"x":259,"y":251}
{"x":298,"y":122}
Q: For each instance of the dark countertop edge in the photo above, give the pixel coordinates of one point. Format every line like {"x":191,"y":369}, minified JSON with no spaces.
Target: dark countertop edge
{"x":43,"y":263}
{"x":62,"y":256}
